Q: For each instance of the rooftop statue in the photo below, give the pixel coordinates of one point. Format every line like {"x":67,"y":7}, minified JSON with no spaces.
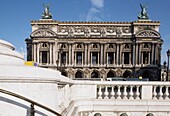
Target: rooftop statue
{"x":143,"y":14}
{"x":46,"y":14}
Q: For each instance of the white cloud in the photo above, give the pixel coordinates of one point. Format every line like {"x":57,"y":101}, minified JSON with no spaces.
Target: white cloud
{"x":98,"y":3}
{"x":92,"y":15}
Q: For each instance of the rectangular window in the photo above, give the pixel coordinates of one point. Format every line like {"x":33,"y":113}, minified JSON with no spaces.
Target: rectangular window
{"x":79,"y":58}
{"x":126,"y":58}
{"x":63,"y":58}
{"x":110,"y":57}
{"x":145,"y":57}
{"x":44,"y":56}
{"x":94,"y":57}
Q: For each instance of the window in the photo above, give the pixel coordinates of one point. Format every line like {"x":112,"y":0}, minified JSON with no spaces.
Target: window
{"x":63,"y":58}
{"x":94,"y":57}
{"x":94,"y":74}
{"x":126,"y":58}
{"x":79,"y":58}
{"x":145,"y":57}
{"x":110,"y":57}
{"x":44,"y":56}
{"x":79,"y":74}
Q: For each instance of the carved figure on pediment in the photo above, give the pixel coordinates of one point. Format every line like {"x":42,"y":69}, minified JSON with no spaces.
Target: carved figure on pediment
{"x":87,"y":31}
{"x":103,"y":32}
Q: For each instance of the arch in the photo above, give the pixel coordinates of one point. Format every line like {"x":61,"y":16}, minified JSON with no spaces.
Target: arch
{"x":95,"y":74}
{"x":64,"y":73}
{"x":43,"y":33}
{"x":79,"y":74}
{"x":111,"y":74}
{"x":127,"y":74}
{"x":123,"y":114}
{"x":149,"y":114}
{"x":148,"y":33}
{"x":97,"y":114}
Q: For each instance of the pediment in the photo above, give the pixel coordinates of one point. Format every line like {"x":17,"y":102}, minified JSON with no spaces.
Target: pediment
{"x":148,"y":33}
{"x":43,"y":33}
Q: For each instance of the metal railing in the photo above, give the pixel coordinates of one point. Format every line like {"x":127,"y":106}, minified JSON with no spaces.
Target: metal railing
{"x":32,"y":110}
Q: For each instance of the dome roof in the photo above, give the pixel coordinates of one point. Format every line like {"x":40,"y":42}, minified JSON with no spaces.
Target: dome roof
{"x":8,"y":55}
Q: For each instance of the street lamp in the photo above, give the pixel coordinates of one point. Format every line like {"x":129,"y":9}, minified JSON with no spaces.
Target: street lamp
{"x":168,"y":54}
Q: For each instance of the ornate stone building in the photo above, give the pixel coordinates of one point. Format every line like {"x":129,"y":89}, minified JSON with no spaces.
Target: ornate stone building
{"x":94,"y":50}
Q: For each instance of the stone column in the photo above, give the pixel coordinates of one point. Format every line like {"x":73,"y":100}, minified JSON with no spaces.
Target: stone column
{"x":91,"y":59}
{"x":40,"y":57}
{"x":104,"y":55}
{"x":114,"y":58}
{"x":149,"y":58}
{"x":101,"y":54}
{"x":140,"y":53}
{"x":133,"y":55}
{"x":137,"y":53}
{"x":66,"y":58}
{"x":98,"y":58}
{"x":142,"y":59}
{"x":69,"y":52}
{"x":155,"y":52}
{"x":35,"y":55}
{"x":117,"y":54}
{"x":89,"y":56}
{"x":85,"y":54}
{"x":120,"y":54}
{"x":75,"y":58}
{"x":106,"y":58}
{"x":38,"y":53}
{"x":122,"y":58}
{"x":82,"y":59}
{"x":130,"y":58}
{"x":50,"y":53}
{"x":54,"y":54}
{"x":152,"y":53}
{"x":72,"y":54}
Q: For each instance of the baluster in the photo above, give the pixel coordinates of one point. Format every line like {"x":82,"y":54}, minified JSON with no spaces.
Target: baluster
{"x":137,"y":92}
{"x":125,"y":92}
{"x":154,"y":92}
{"x":100,"y":93}
{"x":131,"y":92}
{"x":160,"y":93}
{"x":32,"y":110}
{"x":106,"y":93}
{"x":112,"y":93}
{"x":118,"y":92}
{"x":166,"y":94}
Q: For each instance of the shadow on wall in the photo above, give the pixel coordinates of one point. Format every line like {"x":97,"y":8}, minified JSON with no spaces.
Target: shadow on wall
{"x":6,"y":100}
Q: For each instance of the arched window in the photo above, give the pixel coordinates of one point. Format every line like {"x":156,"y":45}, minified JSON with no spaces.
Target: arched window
{"x":64,"y":73}
{"x":150,"y":114}
{"x":79,"y":74}
{"x":95,"y":74}
{"x":97,"y":114}
{"x":123,"y":114}
{"x":127,"y":74}
{"x":79,"y":46}
{"x":111,"y":74}
{"x":95,"y":46}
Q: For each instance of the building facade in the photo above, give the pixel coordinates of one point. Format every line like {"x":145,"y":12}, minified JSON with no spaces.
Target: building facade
{"x":95,"y":50}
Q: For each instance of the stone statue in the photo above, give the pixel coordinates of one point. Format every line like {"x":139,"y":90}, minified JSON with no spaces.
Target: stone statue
{"x":143,"y":14}
{"x":46,"y":14}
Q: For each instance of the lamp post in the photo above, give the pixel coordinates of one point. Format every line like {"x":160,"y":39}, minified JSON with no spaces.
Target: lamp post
{"x":168,"y":54}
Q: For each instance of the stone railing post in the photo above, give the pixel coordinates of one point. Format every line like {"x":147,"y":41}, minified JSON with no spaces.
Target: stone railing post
{"x":146,"y":92}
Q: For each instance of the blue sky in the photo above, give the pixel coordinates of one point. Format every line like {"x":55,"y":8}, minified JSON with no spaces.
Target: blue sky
{"x":15,"y":15}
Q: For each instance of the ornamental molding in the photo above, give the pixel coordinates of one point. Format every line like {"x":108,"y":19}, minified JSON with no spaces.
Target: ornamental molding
{"x":148,"y":33}
{"x":43,"y":33}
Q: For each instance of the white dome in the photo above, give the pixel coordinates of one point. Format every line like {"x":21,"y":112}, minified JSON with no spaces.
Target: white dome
{"x":8,"y":56}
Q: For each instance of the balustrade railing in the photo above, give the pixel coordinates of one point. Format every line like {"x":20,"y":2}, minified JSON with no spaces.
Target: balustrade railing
{"x":119,"y":91}
{"x":161,"y":92}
